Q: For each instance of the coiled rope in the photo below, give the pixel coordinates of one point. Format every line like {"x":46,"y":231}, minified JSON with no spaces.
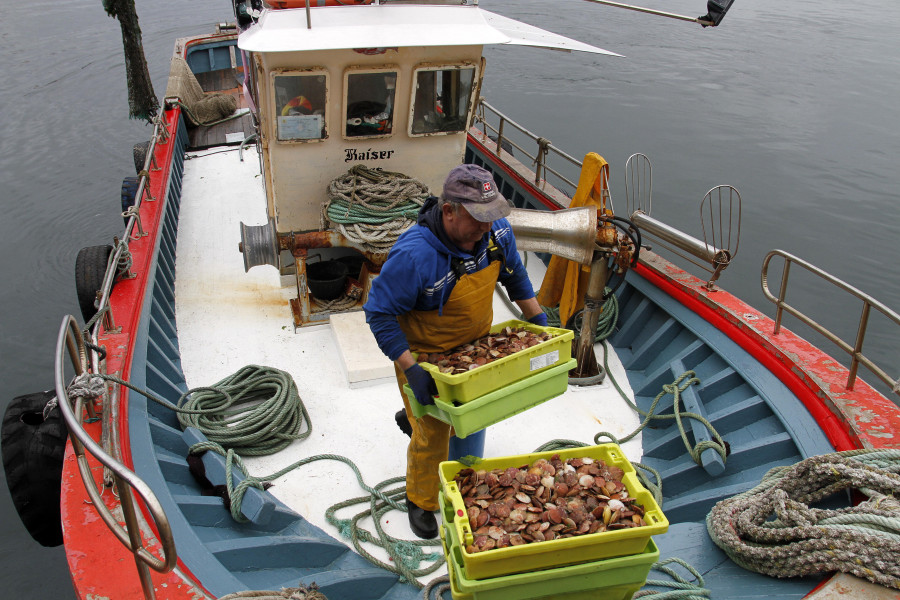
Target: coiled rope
{"x":863,"y":540}
{"x":372,"y":207}
{"x":255,"y":412}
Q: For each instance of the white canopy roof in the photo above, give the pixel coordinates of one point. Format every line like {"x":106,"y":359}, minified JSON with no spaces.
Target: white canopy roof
{"x":385,"y":26}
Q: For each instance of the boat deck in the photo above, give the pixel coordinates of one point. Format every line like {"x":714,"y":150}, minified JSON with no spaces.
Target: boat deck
{"x":228,"y":318}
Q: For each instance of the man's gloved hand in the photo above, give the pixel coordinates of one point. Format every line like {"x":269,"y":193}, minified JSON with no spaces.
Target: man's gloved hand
{"x":422,"y":384}
{"x":539,"y":319}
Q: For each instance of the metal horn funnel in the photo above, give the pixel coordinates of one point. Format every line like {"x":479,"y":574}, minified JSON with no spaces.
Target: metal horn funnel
{"x":569,"y":233}
{"x":259,"y":245}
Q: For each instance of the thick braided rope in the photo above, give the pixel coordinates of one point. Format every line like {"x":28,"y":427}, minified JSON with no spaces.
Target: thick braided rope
{"x":373,"y":207}
{"x":863,"y":540}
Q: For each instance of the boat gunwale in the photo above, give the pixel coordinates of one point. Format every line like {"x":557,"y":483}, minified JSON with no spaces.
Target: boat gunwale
{"x":850,"y":419}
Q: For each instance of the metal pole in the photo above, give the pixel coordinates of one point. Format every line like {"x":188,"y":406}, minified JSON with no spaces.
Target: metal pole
{"x":781,"y":295}
{"x":658,"y":13}
{"x":134,"y":535}
{"x":593,"y":299}
{"x":857,"y":349}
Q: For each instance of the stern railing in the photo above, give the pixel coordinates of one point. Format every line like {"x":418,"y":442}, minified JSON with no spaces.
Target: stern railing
{"x":868,"y":303}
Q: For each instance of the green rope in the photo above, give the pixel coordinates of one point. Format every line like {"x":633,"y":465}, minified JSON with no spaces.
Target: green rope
{"x":340,"y":211}
{"x":405,"y":555}
{"x":255,"y":412}
{"x":373,"y":207}
{"x":681,"y":588}
{"x":606,"y":322}
{"x":684,"y":381}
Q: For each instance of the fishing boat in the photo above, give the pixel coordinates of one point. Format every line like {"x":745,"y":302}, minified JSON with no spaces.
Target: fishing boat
{"x":245,"y":261}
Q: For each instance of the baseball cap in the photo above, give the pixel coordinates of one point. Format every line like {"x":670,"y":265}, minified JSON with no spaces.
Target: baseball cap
{"x":474,"y":188}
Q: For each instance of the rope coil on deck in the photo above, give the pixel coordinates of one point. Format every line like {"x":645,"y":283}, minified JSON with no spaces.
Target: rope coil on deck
{"x":863,"y":540}
{"x":372,"y":207}
{"x":255,"y":412}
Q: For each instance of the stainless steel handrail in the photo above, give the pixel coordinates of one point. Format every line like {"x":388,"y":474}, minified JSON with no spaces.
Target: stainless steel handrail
{"x":855,"y":350}
{"x":159,"y":133}
{"x":70,"y":341}
{"x":544,"y":146}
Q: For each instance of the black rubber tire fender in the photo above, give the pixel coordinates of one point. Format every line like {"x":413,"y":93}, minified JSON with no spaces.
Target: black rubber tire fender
{"x":90,"y":267}
{"x":33,"y":450}
{"x":129,"y":194}
{"x":139,"y":153}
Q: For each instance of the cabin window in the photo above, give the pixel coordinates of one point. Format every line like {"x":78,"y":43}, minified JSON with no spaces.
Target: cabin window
{"x":300,"y":102}
{"x":369,"y":103}
{"x":441,"y":99}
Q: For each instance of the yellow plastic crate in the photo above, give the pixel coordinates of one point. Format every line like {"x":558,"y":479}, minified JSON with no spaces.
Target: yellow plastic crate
{"x":473,"y":384}
{"x":500,"y":404}
{"x":559,"y":552}
{"x":607,"y":579}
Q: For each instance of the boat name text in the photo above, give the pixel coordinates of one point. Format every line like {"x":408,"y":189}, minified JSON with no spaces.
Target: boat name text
{"x":353,"y":154}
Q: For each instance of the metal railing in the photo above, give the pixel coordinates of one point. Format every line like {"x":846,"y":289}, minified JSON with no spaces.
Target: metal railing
{"x":485,"y":113}
{"x":854,"y":350}
{"x":84,"y":360}
{"x":124,"y":480}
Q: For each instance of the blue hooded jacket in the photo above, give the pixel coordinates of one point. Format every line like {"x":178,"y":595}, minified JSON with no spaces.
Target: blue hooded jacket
{"x":418,"y":275}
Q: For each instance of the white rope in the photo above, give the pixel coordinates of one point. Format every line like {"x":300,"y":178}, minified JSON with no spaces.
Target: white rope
{"x":863,"y":540}
{"x":372,"y":207}
{"x":86,"y":386}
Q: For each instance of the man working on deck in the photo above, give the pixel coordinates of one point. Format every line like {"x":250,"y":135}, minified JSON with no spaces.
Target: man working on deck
{"x":435,"y":292}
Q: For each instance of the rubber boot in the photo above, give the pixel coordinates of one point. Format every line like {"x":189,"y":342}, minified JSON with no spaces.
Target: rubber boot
{"x":422,"y":522}
{"x":472,"y":444}
{"x":403,"y":422}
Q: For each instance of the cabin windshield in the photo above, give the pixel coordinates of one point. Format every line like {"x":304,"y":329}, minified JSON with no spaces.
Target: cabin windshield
{"x":300,"y":104}
{"x":370,"y":103}
{"x":442,"y":99}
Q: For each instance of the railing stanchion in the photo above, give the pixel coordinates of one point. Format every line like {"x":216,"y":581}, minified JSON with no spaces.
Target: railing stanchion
{"x":856,"y":355}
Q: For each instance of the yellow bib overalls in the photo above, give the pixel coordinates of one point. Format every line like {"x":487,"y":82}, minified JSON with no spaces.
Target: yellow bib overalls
{"x":467,"y":315}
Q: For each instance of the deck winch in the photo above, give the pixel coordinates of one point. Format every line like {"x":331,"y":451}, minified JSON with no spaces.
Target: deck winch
{"x":586,"y":236}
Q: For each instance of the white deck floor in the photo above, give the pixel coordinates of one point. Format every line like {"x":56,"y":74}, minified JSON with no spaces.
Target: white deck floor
{"x":228,"y":319}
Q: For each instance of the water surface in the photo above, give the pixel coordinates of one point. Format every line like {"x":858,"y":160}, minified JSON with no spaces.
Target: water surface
{"x":792,"y":103}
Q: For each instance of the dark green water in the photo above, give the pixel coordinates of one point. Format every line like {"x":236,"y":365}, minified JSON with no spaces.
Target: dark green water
{"x":795,"y":104}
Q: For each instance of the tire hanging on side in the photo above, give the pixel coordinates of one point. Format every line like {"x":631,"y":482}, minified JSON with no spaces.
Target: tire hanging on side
{"x":33,"y":448}
{"x":90,"y":267}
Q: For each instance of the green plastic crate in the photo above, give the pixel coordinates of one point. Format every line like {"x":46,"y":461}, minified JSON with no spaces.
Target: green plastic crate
{"x":501,"y":404}
{"x":607,"y":579}
{"x":552,"y":553}
{"x":466,"y":387}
